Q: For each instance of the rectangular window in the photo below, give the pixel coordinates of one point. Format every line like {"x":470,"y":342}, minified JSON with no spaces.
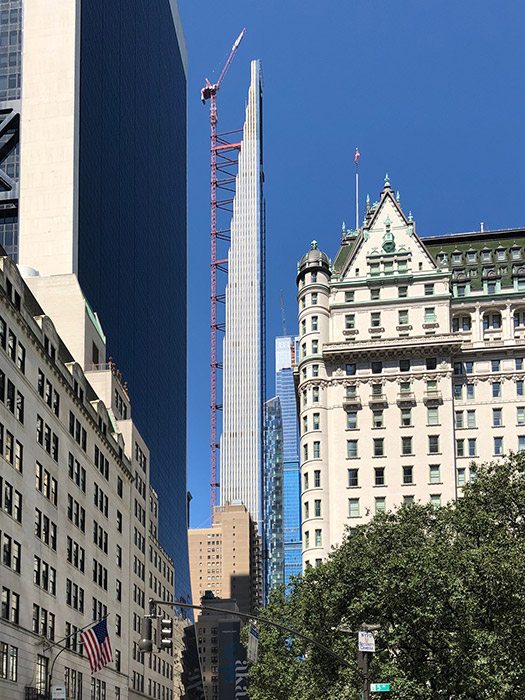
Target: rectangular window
{"x":458,"y":391}
{"x":460,"y":448}
{"x":402,"y":292}
{"x":519,"y":387}
{"x":470,"y":392}
{"x":406,"y":416}
{"x":472,"y":452}
{"x":459,"y":419}
{"x":317,"y":450}
{"x":377,"y":419}
{"x":429,"y":290}
{"x":461,"y":476}
{"x":377,"y":367}
{"x":315,"y":394}
{"x":435,"y":500}
{"x":518,"y":363}
{"x":495,"y":365}
{"x":315,"y":418}
{"x":496,"y":390}
{"x":497,"y":419}
{"x":315,"y":347}
{"x":433,"y":444}
{"x":498,"y":445}
{"x":317,"y":478}
{"x":430,"y":314}
{"x":353,"y":477}
{"x":379,"y":476}
{"x":318,"y":538}
{"x":520,"y":417}
{"x":351,"y":420}
{"x":404,"y":365}
{"x":315,"y":323}
{"x":317,"y":508}
{"x":349,"y":321}
{"x":353,"y":507}
{"x":315,"y":370}
{"x":469,"y":367}
{"x":403,"y":317}
{"x":432,"y":416}
{"x":351,"y":448}
{"x":306,"y":485}
{"x":408,"y":500}
{"x":406,"y":445}
{"x":380,"y":504}
{"x":375,"y":319}
{"x":458,"y":368}
{"x":306,"y":510}
{"x":471,"y":419}
{"x":307,"y":540}
{"x":349,"y":297}
{"x":408,"y":475}
{"x":375,"y":294}
{"x":305,"y":452}
{"x":314,"y":298}
{"x":351,"y":369}
{"x":521,"y":443}
{"x":377,"y":389}
{"x":434,"y":474}
{"x":379,"y":447}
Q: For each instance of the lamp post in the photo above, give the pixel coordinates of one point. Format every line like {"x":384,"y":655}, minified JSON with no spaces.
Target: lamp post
{"x":366,"y":644}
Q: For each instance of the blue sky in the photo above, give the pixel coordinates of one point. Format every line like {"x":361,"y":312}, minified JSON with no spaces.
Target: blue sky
{"x":432,"y":93}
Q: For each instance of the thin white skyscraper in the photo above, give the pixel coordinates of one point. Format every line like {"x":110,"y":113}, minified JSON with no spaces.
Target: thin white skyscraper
{"x":241,"y":452}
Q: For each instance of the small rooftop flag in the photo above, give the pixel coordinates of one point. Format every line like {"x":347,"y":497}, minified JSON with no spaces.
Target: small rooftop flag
{"x":97,"y":646}
{"x":357,"y":155}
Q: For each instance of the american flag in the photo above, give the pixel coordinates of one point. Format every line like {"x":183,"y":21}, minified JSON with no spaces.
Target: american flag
{"x":97,"y":645}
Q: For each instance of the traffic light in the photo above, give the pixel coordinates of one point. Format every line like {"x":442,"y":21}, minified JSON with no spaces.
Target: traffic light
{"x":145,"y":643}
{"x":164,"y":633}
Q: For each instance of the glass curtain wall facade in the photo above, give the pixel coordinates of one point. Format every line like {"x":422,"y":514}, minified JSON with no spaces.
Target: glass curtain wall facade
{"x":123,"y":198}
{"x":273,"y":547}
{"x":284,"y":389}
{"x":241,"y":455}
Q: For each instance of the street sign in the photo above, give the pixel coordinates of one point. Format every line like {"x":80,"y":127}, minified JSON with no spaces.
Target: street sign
{"x":253,"y":643}
{"x":366,"y":641}
{"x":379,"y":687}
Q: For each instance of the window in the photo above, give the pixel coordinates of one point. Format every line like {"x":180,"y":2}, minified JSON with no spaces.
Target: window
{"x":317,"y":450}
{"x":377,"y":419}
{"x":498,"y":445}
{"x":351,"y":391}
{"x":306,"y":510}
{"x":377,"y":367}
{"x":379,"y":476}
{"x":496,"y":390}
{"x":349,"y":321}
{"x":430,"y":314}
{"x":315,"y":370}
{"x":461,"y":290}
{"x":461,"y":323}
{"x":8,"y":662}
{"x":469,"y":367}
{"x":374,"y":268}
{"x":460,"y":448}
{"x":315,"y":421}
{"x":404,"y":365}
{"x":458,"y":368}
{"x":402,"y":292}
{"x":520,"y":417}
{"x":497,"y":417}
{"x":429,"y":290}
{"x":379,"y":447}
{"x":521,"y":443}
{"x":41,"y":674}
{"x":315,"y":394}
{"x":351,"y":448}
{"x":459,"y":419}
{"x":349,"y":297}
{"x":435,"y":500}
{"x":353,"y":507}
{"x":431,"y":363}
{"x":408,"y":500}
{"x":472,"y":447}
{"x":315,"y":347}
{"x":380,"y":503}
{"x":351,"y":420}
{"x":303,"y":350}
{"x":519,"y":387}
{"x":404,"y":388}
{"x":470,"y":392}
{"x":306,"y":485}
{"x":306,"y":539}
{"x":305,"y":452}
{"x":432,"y":386}
{"x":402,"y":266}
{"x":406,"y":445}
{"x":485,"y":255}
{"x":317,"y":508}
{"x":433,"y":444}
{"x":314,"y":298}
{"x":460,"y":475}
{"x":491,"y":321}
{"x":471,"y":419}
{"x":315,"y":323}
{"x":351,"y":369}
{"x":317,"y":478}
{"x":408,"y":475}
{"x":406,"y":416}
{"x":495,"y":365}
{"x":433,"y":416}
{"x":303,"y":326}
{"x":518,"y":363}
{"x":375,"y":319}
{"x":318,"y":538}
{"x":353,"y":477}
{"x":313,"y":277}
{"x":375,"y":294}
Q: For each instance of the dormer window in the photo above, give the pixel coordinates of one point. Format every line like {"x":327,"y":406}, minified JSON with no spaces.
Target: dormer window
{"x":374,"y":268}
{"x":485,"y":256}
{"x":456,"y":258}
{"x":515,"y":253}
{"x":500,"y":254}
{"x":471,"y":257}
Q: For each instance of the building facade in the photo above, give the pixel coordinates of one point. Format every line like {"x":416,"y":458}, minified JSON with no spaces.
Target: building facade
{"x":285,"y":351}
{"x":273,"y":538}
{"x":96,"y":186}
{"x":241,"y":444}
{"x":78,"y":516}
{"x":410,"y":367}
{"x":225,"y":559}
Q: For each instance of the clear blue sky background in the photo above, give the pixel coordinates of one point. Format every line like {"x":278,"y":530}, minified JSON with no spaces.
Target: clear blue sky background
{"x":432,"y":92}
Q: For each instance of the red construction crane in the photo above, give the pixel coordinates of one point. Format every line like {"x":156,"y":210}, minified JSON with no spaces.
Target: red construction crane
{"x":220,"y":148}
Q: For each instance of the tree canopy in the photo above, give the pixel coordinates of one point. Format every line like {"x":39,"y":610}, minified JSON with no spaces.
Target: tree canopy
{"x":447,"y":586}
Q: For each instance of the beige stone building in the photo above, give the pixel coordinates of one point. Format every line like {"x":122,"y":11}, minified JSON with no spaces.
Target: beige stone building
{"x":410,"y":367}
{"x":78,"y":517}
{"x":225,"y":558}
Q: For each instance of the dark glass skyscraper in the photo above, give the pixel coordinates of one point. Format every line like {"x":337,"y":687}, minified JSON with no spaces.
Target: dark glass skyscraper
{"x":105,"y":80}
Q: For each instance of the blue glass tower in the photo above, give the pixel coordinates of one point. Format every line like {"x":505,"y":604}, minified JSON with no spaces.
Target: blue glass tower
{"x":273,"y":536}
{"x":115,"y":199}
{"x":284,"y":389}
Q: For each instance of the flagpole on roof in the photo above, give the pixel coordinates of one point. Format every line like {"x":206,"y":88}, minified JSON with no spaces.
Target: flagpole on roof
{"x":356,"y":161}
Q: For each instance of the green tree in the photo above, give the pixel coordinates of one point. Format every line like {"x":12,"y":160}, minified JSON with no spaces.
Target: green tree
{"x":447,"y":586}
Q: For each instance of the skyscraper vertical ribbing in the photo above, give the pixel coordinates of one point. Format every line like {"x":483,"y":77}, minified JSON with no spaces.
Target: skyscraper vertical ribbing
{"x":244,"y":347}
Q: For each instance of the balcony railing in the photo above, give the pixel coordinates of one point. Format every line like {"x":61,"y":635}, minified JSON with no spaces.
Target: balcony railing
{"x":433,"y":397}
{"x":352,"y":402}
{"x":377,"y":399}
{"x":406,"y":397}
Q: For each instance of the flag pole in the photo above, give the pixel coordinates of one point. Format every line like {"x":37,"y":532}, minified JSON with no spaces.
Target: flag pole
{"x":356,"y":161}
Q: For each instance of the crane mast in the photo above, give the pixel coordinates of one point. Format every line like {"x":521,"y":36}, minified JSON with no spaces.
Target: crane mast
{"x":223,"y":163}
